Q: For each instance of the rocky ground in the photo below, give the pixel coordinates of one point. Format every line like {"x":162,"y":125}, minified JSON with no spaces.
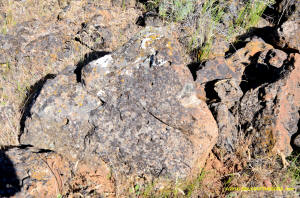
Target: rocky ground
{"x":107,"y":99}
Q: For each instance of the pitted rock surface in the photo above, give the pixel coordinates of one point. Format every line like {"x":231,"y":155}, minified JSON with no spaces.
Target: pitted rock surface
{"x":58,"y":112}
{"x":138,"y":110}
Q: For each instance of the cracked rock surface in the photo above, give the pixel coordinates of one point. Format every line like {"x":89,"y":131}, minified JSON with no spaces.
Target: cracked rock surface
{"x":136,"y":108}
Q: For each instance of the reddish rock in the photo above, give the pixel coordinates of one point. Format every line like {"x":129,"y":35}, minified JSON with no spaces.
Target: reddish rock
{"x":287,"y":109}
{"x":271,"y":110}
{"x":289,"y":30}
{"x":26,"y":172}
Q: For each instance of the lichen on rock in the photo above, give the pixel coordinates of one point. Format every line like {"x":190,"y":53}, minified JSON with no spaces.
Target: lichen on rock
{"x":136,"y":108}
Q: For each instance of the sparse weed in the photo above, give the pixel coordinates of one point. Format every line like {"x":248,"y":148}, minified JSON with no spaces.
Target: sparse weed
{"x":213,"y":19}
{"x":172,"y":10}
{"x":294,"y":168}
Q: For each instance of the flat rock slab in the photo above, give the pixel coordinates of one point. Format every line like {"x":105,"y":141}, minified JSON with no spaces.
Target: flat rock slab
{"x":136,"y":108}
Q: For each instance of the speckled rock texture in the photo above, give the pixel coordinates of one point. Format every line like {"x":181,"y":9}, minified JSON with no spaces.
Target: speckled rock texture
{"x":289,"y":29}
{"x":27,"y":172}
{"x":136,"y":108}
{"x":38,"y":38}
{"x":271,"y":111}
{"x":254,"y":92}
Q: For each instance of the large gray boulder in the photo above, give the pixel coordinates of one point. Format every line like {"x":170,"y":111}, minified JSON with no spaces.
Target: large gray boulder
{"x":136,"y":108}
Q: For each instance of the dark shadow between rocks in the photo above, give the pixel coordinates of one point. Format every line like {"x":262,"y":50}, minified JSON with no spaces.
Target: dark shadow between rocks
{"x":9,"y":181}
{"x":32,"y":95}
{"x":279,"y":12}
{"x":194,"y":67}
{"x":256,"y":74}
{"x":268,"y":34}
{"x":294,"y":136}
{"x":211,"y":94}
{"x":87,"y":58}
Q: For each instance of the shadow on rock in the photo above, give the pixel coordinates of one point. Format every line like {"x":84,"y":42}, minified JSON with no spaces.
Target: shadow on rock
{"x":295,"y":139}
{"x":88,"y":58}
{"x":33,"y":93}
{"x":9,"y":181}
{"x":35,"y":89}
{"x":279,"y":12}
{"x":257,"y":74}
{"x":268,"y":34}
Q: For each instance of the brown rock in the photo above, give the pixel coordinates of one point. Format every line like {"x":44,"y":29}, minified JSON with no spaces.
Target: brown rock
{"x":275,"y":118}
{"x":289,"y":30}
{"x":216,"y":69}
{"x":287,"y":109}
{"x":273,"y":57}
{"x":26,"y":172}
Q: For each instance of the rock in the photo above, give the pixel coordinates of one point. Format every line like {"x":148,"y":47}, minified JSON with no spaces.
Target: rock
{"x":138,"y":110}
{"x":228,"y":91}
{"x":108,"y":29}
{"x":218,"y":48}
{"x":289,"y":35}
{"x":61,"y":113}
{"x":94,"y":35}
{"x":150,"y":19}
{"x":40,"y":40}
{"x":273,"y":57}
{"x":216,"y":69}
{"x":271,"y":110}
{"x":297,"y":141}
{"x":26,"y":172}
{"x":289,"y":30}
{"x":228,"y":131}
{"x":233,"y":65}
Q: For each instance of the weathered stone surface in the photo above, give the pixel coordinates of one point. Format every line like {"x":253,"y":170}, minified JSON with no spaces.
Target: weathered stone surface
{"x":289,"y":30}
{"x":61,"y":110}
{"x":37,"y":39}
{"x":26,"y":172}
{"x":216,"y":69}
{"x":138,"y":110}
{"x":271,"y":110}
{"x":273,"y":57}
{"x":228,"y":91}
{"x":228,"y":131}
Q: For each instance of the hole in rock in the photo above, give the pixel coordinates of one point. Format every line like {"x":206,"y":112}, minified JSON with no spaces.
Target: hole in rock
{"x":211,"y":94}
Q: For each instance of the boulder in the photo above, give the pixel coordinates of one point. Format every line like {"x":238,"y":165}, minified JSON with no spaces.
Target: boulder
{"x":137,"y":109}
